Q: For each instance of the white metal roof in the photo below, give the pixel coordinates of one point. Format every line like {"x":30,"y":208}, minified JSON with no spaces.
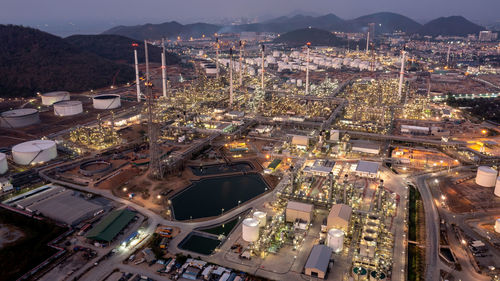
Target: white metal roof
{"x":341,"y":211}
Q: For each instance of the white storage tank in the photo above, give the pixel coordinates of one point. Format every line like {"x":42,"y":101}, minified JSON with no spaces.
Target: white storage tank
{"x":106,"y":101}
{"x":261,"y":217}
{"x":68,"y":108}
{"x":497,"y":225}
{"x":53,"y":97}
{"x":497,"y":187}
{"x":18,"y":118}
{"x":3,"y":163}
{"x":299,"y":82}
{"x":335,"y":240}
{"x":486,"y":176}
{"x":250,"y":229}
{"x":34,"y":152}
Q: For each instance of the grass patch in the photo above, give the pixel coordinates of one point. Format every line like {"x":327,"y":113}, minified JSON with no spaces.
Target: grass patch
{"x":23,"y":255}
{"x":415,"y":254}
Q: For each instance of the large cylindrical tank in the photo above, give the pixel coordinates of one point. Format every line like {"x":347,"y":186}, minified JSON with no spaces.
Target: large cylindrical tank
{"x":250,"y":229}
{"x":335,"y":240}
{"x":34,"y":152}
{"x":359,"y":273}
{"x":18,"y":118}
{"x":486,"y":176}
{"x":377,"y":276}
{"x":3,"y":163}
{"x":68,"y":108}
{"x":53,"y":97}
{"x":497,"y":225}
{"x":261,"y":217}
{"x":497,"y":187}
{"x":106,"y":101}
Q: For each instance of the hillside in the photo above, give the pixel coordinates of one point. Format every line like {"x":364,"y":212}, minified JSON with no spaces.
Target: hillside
{"x":118,"y":48}
{"x":451,"y":26}
{"x":385,"y":22}
{"x":317,"y":37}
{"x":168,"y":30}
{"x":34,"y":61}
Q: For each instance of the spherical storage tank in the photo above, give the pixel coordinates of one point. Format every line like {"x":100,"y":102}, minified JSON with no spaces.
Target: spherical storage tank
{"x":108,"y":101}
{"x":53,"y":97}
{"x":18,"y":118}
{"x":261,"y":217}
{"x":335,"y":240}
{"x":3,"y":163}
{"x":497,"y":225}
{"x":34,"y":152}
{"x":250,"y":230}
{"x":486,"y":176}
{"x":68,"y":108}
{"x":497,"y":187}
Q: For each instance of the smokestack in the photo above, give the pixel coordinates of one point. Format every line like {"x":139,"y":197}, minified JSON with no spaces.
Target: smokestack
{"x":401,"y":73}
{"x":163,"y":70}
{"x":262,"y":72}
{"x":217,"y":56}
{"x":241,"y":63}
{"x":231,"y":77}
{"x":367,"y":42}
{"x":137,"y":73}
{"x":448,"y":56}
{"x":147,"y":59}
{"x":307,"y":68}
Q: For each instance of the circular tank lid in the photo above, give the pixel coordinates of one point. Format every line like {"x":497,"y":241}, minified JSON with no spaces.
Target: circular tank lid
{"x":335,"y":232}
{"x":359,"y":270}
{"x":259,"y":214}
{"x":251,"y":222}
{"x":55,"y":94}
{"x":65,"y":103}
{"x":377,"y":274}
{"x":33,"y":146}
{"x":488,"y":170}
{"x":106,"y":97}
{"x":19,"y":112}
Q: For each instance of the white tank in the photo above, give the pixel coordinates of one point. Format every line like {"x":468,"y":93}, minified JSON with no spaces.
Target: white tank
{"x":335,"y":240}
{"x":3,"y":163}
{"x":19,"y":118}
{"x":299,"y":82}
{"x":250,"y":230}
{"x":261,"y":217}
{"x":497,"y":225}
{"x":68,"y":108}
{"x":497,"y":187}
{"x":106,"y":101}
{"x":486,"y":176}
{"x":34,"y":152}
{"x":53,"y":97}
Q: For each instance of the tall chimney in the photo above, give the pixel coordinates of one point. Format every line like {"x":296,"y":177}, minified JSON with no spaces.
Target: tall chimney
{"x":367,"y":42}
{"x":163,"y":69}
{"x":262,"y":72}
{"x":241,"y":63}
{"x":217,"y":56}
{"x":231,"y":77}
{"x":137,"y":82}
{"x":401,"y":73}
{"x":307,"y":68}
{"x":147,"y":59}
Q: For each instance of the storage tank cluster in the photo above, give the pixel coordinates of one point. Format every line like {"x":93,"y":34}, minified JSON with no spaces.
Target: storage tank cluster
{"x":335,"y":240}
{"x":3,"y":163}
{"x":486,"y":176}
{"x":34,"y":152}
{"x":18,"y":118}
{"x":68,"y":108}
{"x":53,"y":97}
{"x":250,"y":230}
{"x":106,"y":101}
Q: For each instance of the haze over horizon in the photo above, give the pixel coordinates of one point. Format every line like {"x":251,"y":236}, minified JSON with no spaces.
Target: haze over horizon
{"x":67,"y":17}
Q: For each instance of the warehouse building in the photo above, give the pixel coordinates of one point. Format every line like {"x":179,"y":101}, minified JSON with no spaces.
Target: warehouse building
{"x":367,"y":169}
{"x":365,"y":147}
{"x":318,"y":261}
{"x":111,"y":225}
{"x":297,"y":210}
{"x":339,"y":217}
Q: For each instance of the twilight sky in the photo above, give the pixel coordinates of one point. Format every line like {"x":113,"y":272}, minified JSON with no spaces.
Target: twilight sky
{"x":91,"y":16}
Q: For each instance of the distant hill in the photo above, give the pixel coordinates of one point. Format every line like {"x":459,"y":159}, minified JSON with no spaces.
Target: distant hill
{"x":385,"y":22}
{"x":317,"y":37}
{"x":164,"y":30}
{"x":34,"y":61}
{"x":451,"y":26}
{"x":118,"y":48}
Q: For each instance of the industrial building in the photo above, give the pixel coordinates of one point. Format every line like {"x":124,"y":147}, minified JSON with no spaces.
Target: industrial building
{"x":339,"y":217}
{"x":18,"y":118}
{"x":321,"y":167}
{"x":367,"y":169}
{"x":34,"y":152}
{"x":301,"y":142}
{"x":297,"y":210}
{"x":61,"y":204}
{"x":111,"y":225}
{"x":365,"y":147}
{"x":318,"y":261}
{"x":53,"y":97}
